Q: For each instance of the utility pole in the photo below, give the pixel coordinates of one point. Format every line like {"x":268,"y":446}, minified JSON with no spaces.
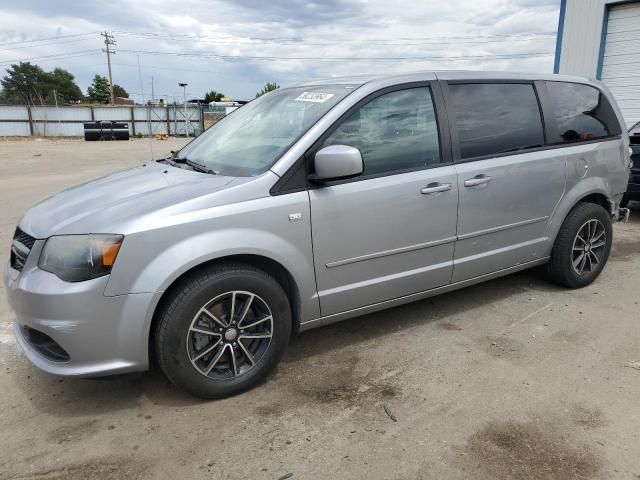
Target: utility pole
{"x":108,"y":41}
{"x":186,"y":120}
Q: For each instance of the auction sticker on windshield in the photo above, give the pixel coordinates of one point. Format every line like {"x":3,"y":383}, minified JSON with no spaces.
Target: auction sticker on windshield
{"x":315,"y":97}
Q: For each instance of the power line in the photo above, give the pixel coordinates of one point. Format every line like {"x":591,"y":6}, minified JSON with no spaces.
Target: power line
{"x":78,"y":53}
{"x":301,"y":40}
{"x":90,"y":65}
{"x":380,"y":58}
{"x":228,"y":41}
{"x":480,"y":38}
{"x":46,"y":44}
{"x":82,"y":53}
{"x":47,"y":38}
{"x":389,"y":43}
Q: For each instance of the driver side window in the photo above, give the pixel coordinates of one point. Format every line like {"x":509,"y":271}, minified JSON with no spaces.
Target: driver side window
{"x":394,"y":132}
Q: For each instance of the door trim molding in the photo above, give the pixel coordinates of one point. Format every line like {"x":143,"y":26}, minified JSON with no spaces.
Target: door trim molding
{"x":356,"y":312}
{"x":435,"y":243}
{"x":478,"y":233}
{"x":395,"y":251}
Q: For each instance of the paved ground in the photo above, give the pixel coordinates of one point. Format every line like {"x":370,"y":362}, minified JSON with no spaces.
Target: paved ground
{"x":512,"y":379}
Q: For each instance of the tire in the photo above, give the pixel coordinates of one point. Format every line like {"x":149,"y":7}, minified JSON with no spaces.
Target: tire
{"x":560,"y":267}
{"x":256,"y":296}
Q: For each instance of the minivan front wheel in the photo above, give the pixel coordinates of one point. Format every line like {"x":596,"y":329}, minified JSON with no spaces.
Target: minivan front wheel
{"x":582,"y":246}
{"x":222,"y":330}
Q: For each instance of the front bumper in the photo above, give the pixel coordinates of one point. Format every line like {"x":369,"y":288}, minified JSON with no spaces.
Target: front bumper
{"x":101,"y":335}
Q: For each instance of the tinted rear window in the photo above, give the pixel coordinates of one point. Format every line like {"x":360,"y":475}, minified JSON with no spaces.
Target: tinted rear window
{"x":495,"y":118}
{"x":582,"y":112}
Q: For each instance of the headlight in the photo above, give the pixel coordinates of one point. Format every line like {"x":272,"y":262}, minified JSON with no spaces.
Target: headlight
{"x":76,"y":258}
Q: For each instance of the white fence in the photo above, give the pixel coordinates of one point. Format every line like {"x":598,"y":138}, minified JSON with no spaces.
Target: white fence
{"x":67,"y":121}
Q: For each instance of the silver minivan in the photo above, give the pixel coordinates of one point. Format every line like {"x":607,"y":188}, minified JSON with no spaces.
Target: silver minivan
{"x":311,"y":205}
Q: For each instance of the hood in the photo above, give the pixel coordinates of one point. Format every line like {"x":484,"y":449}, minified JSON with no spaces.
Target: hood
{"x":112,"y":204}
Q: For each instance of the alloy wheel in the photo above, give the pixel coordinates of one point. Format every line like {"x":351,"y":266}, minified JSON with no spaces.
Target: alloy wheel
{"x":229,"y":335}
{"x":588,"y":247}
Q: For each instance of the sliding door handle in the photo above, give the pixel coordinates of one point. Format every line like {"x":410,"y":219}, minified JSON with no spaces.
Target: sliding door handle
{"x":477,"y":180}
{"x":436,"y":188}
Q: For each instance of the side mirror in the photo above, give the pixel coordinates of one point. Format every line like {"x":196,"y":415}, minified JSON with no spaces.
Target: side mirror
{"x":337,"y":162}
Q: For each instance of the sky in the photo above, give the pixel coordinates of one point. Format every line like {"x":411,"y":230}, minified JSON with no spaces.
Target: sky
{"x":236,"y":46}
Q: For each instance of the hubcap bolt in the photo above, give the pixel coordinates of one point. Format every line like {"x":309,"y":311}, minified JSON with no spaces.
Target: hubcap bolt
{"x":241,"y":331}
{"x":235,"y":344}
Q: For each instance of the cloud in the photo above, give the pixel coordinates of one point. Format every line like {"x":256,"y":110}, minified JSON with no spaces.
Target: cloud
{"x":235,"y":46}
{"x":302,"y":13}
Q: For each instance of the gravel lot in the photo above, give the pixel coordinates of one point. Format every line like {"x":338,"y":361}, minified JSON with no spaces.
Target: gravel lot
{"x":512,"y":379}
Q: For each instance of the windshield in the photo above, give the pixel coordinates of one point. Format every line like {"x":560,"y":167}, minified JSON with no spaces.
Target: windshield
{"x":248,"y":141}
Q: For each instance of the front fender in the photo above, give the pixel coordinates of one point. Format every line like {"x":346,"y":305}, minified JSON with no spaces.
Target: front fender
{"x":151,"y":261}
{"x":191,"y":252}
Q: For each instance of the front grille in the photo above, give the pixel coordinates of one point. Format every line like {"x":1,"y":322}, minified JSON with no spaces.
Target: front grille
{"x":24,"y":238}
{"x":20,"y":248}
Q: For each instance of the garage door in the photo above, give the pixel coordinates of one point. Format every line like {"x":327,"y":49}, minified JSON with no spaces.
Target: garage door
{"x":621,"y":62}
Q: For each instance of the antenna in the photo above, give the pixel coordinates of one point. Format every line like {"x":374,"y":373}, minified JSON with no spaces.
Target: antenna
{"x":108,"y":41}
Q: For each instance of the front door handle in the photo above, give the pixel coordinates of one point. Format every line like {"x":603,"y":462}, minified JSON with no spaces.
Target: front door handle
{"x":436,"y":188}
{"x":477,"y":180}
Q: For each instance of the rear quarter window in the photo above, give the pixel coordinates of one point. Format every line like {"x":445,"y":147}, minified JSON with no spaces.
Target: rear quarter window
{"x":582,"y":112}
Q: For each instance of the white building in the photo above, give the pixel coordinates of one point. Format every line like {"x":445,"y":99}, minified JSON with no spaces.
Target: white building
{"x":226,"y":106}
{"x":601,"y":39}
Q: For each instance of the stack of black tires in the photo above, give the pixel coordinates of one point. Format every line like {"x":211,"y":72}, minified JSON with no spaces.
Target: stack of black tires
{"x":106,"y":130}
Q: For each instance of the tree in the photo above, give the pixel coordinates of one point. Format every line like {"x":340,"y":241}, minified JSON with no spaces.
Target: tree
{"x":269,"y":87}
{"x":118,"y":91}
{"x":213,"y":96}
{"x":63,"y":83}
{"x":25,"y":83}
{"x":98,"y":91}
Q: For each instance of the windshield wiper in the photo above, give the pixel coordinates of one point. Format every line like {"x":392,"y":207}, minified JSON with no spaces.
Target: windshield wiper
{"x":174,"y":160}
{"x":199,"y":167}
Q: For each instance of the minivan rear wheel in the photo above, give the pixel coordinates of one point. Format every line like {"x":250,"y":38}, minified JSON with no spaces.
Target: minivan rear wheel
{"x":222,"y":330}
{"x":582,"y":246}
